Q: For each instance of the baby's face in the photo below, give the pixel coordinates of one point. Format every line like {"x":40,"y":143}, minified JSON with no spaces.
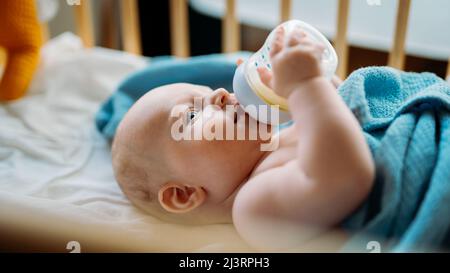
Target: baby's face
{"x":156,"y":122}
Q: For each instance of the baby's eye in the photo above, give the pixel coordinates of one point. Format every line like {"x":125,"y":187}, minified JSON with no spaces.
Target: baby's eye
{"x":190,"y":115}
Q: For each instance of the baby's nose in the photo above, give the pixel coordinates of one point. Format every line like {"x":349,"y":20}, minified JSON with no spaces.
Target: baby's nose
{"x":222,"y":97}
{"x":232,"y":100}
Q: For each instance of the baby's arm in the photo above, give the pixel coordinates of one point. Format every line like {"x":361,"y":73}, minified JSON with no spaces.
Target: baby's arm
{"x":333,"y":169}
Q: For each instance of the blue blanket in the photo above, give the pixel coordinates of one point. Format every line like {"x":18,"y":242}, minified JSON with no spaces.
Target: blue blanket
{"x":406,"y":121}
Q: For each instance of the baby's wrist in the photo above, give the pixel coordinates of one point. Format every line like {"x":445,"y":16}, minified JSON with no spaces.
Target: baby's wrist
{"x":307,"y":84}
{"x":311,"y":98}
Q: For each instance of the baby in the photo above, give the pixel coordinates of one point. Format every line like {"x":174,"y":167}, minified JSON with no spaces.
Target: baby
{"x":321,"y":171}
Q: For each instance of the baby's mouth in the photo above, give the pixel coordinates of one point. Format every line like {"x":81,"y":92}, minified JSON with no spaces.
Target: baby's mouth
{"x":239,"y":113}
{"x":234,"y":114}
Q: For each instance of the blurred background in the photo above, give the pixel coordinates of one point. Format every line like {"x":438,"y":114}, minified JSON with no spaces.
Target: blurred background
{"x":371,"y":27}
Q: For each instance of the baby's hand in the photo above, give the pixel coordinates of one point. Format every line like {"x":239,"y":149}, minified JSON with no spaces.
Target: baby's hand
{"x":293,"y":62}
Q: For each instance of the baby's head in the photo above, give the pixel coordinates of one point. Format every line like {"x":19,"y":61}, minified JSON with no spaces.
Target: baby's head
{"x":189,"y":181}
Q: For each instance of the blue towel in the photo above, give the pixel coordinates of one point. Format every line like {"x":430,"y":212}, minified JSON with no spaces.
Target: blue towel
{"x":406,"y":121}
{"x":215,"y":70}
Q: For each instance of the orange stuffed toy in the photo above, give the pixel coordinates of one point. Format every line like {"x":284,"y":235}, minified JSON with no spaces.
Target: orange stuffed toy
{"x":21,"y":39}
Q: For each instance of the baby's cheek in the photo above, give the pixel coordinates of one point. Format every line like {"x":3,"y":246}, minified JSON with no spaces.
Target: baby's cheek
{"x":214,"y":125}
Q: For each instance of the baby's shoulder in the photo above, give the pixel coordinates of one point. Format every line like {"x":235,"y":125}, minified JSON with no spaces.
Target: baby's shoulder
{"x":275,"y":159}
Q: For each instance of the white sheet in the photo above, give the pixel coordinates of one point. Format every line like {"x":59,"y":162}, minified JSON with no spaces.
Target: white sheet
{"x":55,"y":165}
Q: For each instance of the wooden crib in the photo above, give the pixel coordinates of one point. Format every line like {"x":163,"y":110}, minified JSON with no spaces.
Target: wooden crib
{"x":231,"y":36}
{"x":14,"y":225}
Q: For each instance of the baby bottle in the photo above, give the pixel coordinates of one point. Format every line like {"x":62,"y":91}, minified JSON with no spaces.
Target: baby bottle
{"x":250,"y":90}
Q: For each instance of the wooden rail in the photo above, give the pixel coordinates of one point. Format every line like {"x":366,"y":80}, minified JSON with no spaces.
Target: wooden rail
{"x":231,"y":36}
{"x":83,"y":20}
{"x":179,"y":28}
{"x":340,"y":42}
{"x":397,"y":54}
{"x":131,"y":34}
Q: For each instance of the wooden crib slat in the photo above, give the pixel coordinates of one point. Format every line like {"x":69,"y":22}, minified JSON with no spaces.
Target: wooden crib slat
{"x":131,"y":38}
{"x":397,"y":54}
{"x":285,"y":10}
{"x":83,"y":20}
{"x":231,"y":36}
{"x":341,"y":37}
{"x":179,"y":28}
{"x":109,"y":37}
{"x":3,"y":59}
{"x":448,"y":71}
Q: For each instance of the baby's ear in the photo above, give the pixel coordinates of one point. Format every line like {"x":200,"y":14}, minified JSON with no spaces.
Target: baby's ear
{"x":180,"y":198}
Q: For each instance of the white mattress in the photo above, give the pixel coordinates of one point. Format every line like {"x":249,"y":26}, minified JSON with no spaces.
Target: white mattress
{"x":55,"y":169}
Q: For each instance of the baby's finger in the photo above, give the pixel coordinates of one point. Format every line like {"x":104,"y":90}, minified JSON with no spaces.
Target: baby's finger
{"x":296,"y":37}
{"x":318,"y":51}
{"x":277,"y":44}
{"x":315,"y":50}
{"x":266,"y":76}
{"x":308,"y":50}
{"x":307,"y":41}
{"x":336,"y":81}
{"x":318,"y":54}
{"x":320,"y":47}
